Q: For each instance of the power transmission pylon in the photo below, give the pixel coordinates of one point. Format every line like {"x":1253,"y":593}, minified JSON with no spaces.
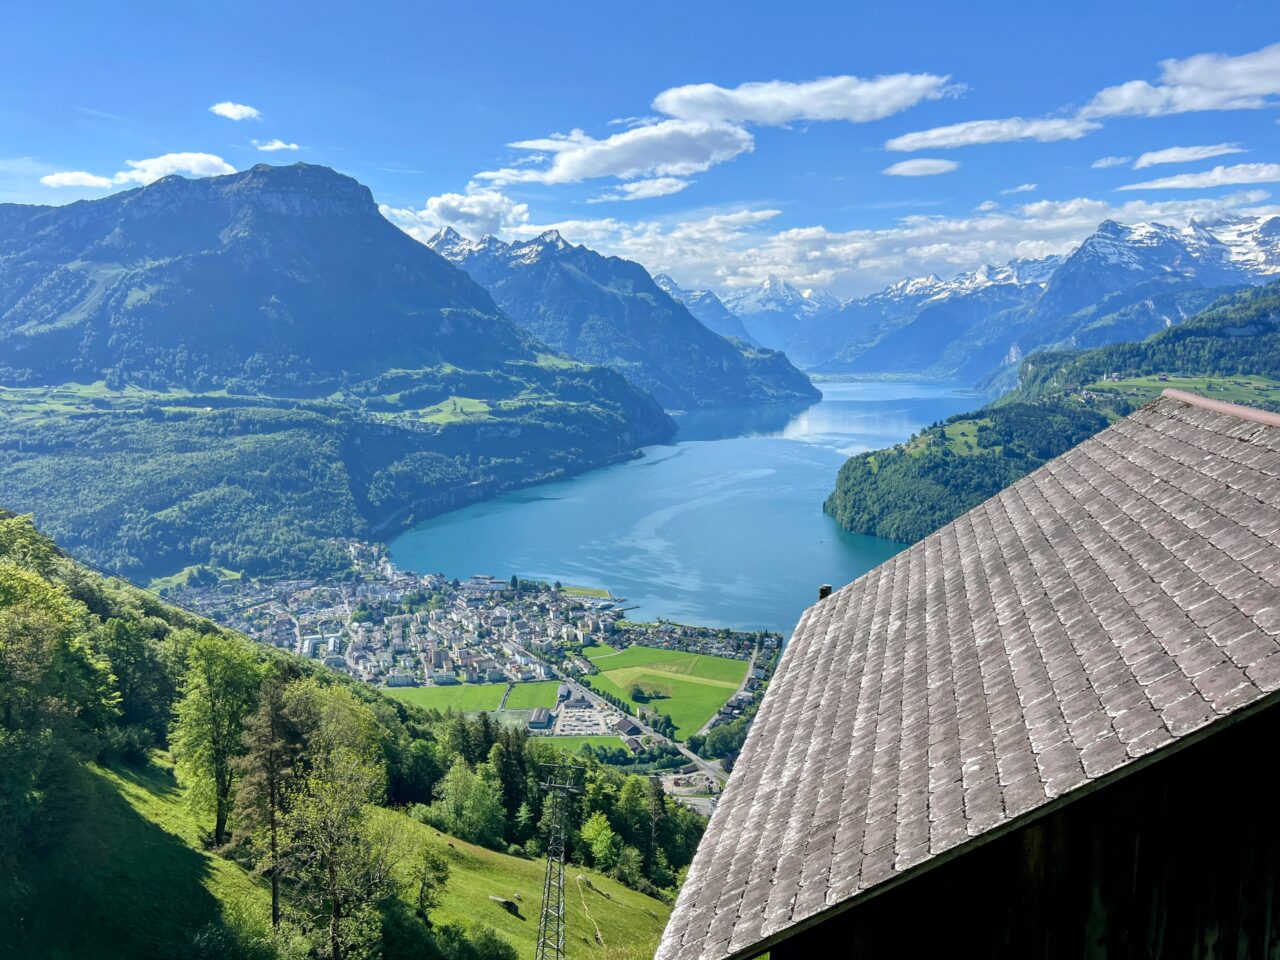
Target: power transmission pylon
{"x":561,"y":781}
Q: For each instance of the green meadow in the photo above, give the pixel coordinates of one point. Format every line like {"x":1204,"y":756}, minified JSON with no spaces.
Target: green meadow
{"x":461,"y":696}
{"x":138,"y":853}
{"x":688,"y":687}
{"x":526,"y":696}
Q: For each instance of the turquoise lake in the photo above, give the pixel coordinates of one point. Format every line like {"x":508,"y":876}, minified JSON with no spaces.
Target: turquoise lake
{"x":722,"y":527}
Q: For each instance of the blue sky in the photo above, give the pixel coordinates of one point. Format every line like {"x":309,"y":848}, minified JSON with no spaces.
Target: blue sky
{"x":719,"y":142}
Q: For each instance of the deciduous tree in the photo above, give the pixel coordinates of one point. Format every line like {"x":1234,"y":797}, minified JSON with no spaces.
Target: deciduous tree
{"x":219,"y":691}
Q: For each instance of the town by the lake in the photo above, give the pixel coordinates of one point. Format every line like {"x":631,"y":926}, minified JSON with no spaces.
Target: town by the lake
{"x":563,"y":661}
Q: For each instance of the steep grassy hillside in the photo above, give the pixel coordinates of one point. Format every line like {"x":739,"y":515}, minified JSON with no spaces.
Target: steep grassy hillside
{"x":143,"y":885}
{"x":165,"y":783}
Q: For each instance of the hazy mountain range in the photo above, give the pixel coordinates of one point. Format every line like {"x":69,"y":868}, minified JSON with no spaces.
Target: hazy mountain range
{"x":1121,"y":283}
{"x":707,"y":307}
{"x":610,"y":311}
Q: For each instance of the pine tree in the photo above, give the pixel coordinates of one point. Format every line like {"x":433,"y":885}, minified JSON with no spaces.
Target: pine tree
{"x":267,"y":771}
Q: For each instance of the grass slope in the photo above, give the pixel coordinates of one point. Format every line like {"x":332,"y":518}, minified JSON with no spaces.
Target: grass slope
{"x":134,"y":883}
{"x":135,"y":873}
{"x":691,"y":687}
{"x":623,"y":916}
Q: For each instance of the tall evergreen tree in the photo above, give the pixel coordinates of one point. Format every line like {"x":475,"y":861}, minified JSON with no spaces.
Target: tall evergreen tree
{"x":272,"y":743}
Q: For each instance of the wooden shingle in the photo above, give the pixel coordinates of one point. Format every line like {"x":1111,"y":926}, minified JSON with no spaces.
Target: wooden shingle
{"x":1123,"y":596}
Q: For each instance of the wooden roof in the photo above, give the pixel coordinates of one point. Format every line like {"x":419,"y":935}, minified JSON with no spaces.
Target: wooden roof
{"x":1113,"y":603}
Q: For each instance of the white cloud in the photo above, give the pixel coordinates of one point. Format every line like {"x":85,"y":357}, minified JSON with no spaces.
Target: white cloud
{"x":671,"y":148}
{"x":1104,"y":163}
{"x":271,"y":146}
{"x":479,"y":211}
{"x":776,"y":102}
{"x":75,"y":178}
{"x":1206,"y":81}
{"x":645,"y":189}
{"x":1219,"y":176}
{"x":993,"y":131}
{"x":1185,"y":154}
{"x":145,"y":171}
{"x":195,"y":164}
{"x":235,"y":111}
{"x":986,"y":206}
{"x":920,"y":168}
{"x":1020,"y":188}
{"x":632,"y":121}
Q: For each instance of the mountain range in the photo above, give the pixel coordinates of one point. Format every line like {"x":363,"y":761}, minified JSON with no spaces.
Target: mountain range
{"x":610,"y":311}
{"x":1123,"y":282}
{"x":236,"y":370}
{"x":707,"y":307}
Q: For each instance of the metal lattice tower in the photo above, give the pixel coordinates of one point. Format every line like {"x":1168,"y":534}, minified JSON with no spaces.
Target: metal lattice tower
{"x":561,"y":781}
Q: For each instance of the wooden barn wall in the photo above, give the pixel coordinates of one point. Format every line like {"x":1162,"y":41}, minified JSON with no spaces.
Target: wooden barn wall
{"x":1178,"y":860}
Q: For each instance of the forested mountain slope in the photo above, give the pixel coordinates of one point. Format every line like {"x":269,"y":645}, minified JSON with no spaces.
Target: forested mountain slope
{"x":235,"y":370}
{"x":609,"y":311}
{"x":282,"y":791}
{"x":1230,"y":351}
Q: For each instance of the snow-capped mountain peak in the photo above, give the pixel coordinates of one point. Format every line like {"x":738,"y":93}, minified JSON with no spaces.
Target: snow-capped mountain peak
{"x":909,"y":287}
{"x":1153,"y":249}
{"x":669,"y":286}
{"x":778,"y":295}
{"x":450,"y":244}
{"x":1254,"y":242}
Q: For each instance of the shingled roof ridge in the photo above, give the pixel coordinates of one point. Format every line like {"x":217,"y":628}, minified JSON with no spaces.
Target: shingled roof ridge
{"x":1257,"y":415}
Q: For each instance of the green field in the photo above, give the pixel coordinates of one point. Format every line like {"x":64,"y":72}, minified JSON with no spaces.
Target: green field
{"x":691,"y":687}
{"x":597,"y":592}
{"x":138,"y":854}
{"x":574,"y":744}
{"x":1256,"y":391}
{"x":461,"y":697}
{"x":526,"y":696}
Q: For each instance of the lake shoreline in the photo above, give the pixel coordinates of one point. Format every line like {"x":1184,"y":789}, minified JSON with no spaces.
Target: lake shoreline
{"x":721,"y":526}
